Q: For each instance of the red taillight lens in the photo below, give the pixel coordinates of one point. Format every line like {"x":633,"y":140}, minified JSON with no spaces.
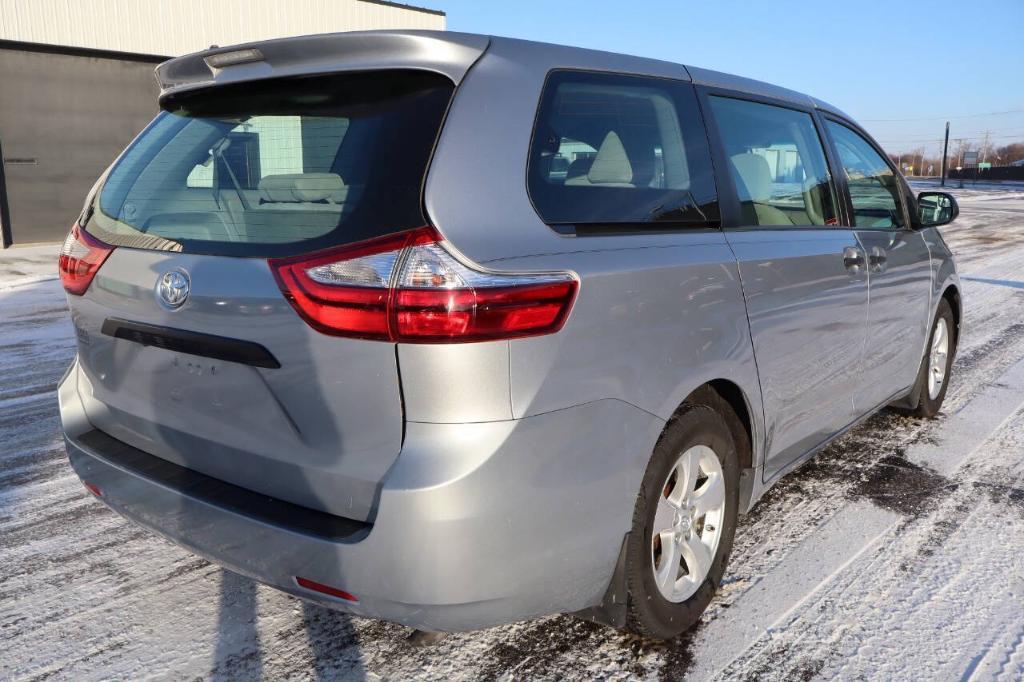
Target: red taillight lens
{"x":80,"y":258}
{"x":485,"y":313}
{"x":345,"y":291}
{"x":409,"y":288}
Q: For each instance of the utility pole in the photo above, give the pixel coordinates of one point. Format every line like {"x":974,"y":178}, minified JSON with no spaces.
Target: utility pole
{"x":945,"y":154}
{"x":984,"y":147}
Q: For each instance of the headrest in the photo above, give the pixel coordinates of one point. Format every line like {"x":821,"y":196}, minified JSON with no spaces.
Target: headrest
{"x":302,"y":187}
{"x":611,"y":165}
{"x":755,"y":177}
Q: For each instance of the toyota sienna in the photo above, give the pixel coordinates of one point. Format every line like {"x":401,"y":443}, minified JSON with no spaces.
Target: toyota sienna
{"x":455,"y":330}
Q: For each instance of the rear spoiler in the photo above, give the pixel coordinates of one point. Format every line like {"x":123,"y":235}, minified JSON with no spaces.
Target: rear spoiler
{"x":450,"y":54}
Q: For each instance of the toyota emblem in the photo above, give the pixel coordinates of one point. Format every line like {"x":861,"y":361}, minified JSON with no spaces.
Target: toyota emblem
{"x":172,"y":289}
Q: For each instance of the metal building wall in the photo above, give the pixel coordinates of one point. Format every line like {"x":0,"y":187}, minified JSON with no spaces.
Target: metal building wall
{"x":174,"y":27}
{"x":63,"y":120}
{"x":66,"y":112}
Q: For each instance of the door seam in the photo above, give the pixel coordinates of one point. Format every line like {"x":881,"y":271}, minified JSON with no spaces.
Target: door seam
{"x":757,"y":370}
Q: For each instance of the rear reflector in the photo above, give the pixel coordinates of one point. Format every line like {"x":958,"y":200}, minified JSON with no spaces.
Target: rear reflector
{"x":80,"y":259}
{"x":93,"y":488}
{"x":325,"y":589}
{"x":409,"y":288}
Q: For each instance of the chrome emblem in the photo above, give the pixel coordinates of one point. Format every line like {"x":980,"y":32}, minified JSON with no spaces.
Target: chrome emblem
{"x":172,"y":289}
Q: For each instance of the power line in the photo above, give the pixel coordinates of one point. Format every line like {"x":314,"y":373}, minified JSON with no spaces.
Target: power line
{"x":1019,"y":136}
{"x":1017,"y":130}
{"x":941,"y":118}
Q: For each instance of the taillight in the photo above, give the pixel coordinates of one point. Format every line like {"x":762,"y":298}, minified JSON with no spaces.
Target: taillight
{"x":80,"y":258}
{"x":408,"y":288}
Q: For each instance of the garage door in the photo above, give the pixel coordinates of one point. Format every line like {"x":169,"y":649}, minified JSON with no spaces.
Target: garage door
{"x":63,"y":118}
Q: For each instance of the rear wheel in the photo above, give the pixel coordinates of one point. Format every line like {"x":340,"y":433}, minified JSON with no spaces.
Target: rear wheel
{"x":683,"y":524}
{"x":933,"y":376}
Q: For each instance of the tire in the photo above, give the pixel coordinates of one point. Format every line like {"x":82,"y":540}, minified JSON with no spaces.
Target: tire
{"x":929,"y":400}
{"x":690,"y":441}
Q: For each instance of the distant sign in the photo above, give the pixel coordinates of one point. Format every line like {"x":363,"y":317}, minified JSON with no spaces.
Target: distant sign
{"x":970,"y":159}
{"x":984,"y":165}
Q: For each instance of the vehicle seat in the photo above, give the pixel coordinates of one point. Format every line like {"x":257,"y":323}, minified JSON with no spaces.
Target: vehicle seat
{"x":298,"y":206}
{"x":754,"y":184}
{"x":306,"y":191}
{"x":611,"y":166}
{"x":579,"y":169}
{"x":202,"y":225}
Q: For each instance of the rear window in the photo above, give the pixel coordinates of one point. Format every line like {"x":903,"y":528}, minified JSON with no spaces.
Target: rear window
{"x":277,"y":168}
{"x":612,"y":149}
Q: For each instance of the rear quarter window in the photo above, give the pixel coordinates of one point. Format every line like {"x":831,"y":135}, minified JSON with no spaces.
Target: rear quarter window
{"x":277,"y":167}
{"x":620,"y":150}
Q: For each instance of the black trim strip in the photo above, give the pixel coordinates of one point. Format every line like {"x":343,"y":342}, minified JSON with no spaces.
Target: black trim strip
{"x":6,"y":236}
{"x":402,"y":5}
{"x":218,"y":493}
{"x":632,"y":228}
{"x":191,"y":343}
{"x":74,"y":51}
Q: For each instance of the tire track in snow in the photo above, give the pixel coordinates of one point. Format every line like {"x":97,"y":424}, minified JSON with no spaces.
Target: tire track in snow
{"x":912,"y":586}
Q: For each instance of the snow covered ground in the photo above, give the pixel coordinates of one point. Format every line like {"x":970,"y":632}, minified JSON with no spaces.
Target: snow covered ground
{"x":898,"y":553}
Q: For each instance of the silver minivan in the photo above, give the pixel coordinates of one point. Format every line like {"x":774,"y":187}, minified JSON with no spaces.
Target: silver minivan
{"x":454,"y":330}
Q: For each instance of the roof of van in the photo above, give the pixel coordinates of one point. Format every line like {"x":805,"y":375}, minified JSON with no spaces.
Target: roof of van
{"x":446,"y":52}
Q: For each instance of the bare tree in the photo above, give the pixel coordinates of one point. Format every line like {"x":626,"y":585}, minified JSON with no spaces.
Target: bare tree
{"x":1009,"y":153}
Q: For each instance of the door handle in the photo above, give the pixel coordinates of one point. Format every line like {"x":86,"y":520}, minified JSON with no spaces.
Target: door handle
{"x":853,"y":259}
{"x":877,"y":259}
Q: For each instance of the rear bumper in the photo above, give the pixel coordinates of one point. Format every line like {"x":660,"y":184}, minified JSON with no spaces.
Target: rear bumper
{"x":477,"y":524}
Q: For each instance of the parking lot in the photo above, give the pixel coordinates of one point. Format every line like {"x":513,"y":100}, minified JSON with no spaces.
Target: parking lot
{"x":897,"y":553}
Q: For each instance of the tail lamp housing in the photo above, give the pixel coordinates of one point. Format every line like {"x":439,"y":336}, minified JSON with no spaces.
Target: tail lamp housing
{"x":408,"y":287}
{"x":80,"y":259}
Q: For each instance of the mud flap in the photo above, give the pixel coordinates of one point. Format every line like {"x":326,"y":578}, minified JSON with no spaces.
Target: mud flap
{"x":612,"y":609}
{"x":913,"y":399}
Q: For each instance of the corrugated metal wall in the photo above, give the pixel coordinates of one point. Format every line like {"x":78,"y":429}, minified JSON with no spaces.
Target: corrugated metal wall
{"x":63,"y":119}
{"x":64,"y":115}
{"x":173,"y":27}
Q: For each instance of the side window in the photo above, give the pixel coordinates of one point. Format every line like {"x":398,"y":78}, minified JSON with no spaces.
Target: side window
{"x":874,"y":188}
{"x":777,"y":163}
{"x":616,"y":149}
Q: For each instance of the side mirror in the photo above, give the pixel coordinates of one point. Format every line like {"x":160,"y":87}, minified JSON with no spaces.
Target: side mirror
{"x":937,"y":208}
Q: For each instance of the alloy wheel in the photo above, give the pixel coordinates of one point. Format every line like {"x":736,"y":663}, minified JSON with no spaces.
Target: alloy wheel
{"x":937,"y":356}
{"x":688,"y":523}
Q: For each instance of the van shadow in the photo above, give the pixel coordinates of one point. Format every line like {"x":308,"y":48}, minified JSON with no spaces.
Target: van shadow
{"x":333,"y":644}
{"x":240,"y":651}
{"x":238,"y":654}
{"x":330,"y":637}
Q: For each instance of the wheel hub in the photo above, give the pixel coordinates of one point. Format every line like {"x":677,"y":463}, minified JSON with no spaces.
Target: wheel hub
{"x":683,"y":522}
{"x":685,"y":531}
